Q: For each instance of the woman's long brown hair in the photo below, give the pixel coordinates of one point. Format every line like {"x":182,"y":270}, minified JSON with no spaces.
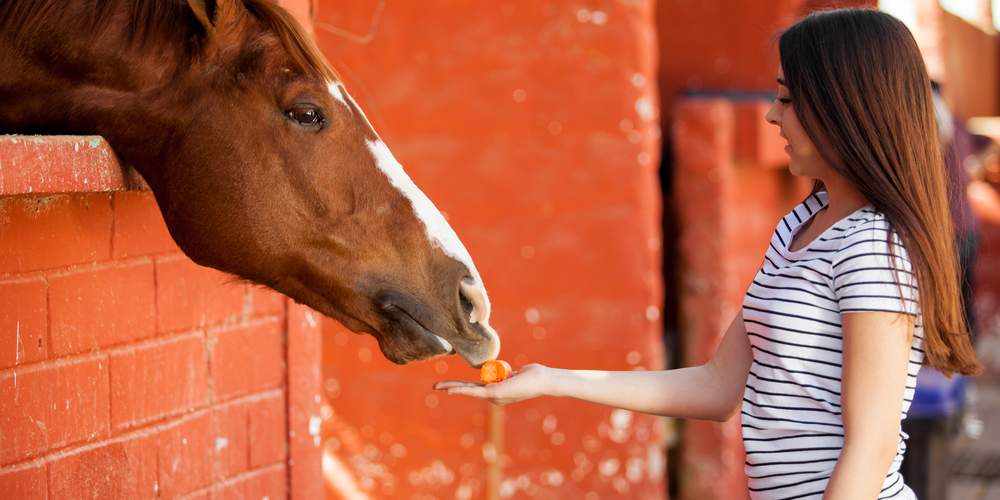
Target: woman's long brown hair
{"x":861,"y":91}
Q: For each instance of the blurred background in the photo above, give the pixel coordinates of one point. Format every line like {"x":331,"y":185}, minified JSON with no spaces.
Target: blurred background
{"x":608,"y":165}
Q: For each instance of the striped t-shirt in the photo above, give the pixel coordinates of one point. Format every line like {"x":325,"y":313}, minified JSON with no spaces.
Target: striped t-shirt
{"x":793,"y":430}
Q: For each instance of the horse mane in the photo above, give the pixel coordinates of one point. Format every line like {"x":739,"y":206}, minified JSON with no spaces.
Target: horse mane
{"x":299,"y":45}
{"x":151,"y":21}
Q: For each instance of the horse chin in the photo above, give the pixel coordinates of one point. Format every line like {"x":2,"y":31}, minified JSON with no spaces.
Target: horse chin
{"x":405,"y":343}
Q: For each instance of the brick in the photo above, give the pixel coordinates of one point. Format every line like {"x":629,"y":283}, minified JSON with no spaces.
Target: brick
{"x":23,"y":322}
{"x":185,"y":456}
{"x":190,"y":296}
{"x":234,"y":490}
{"x":269,"y":483}
{"x":54,"y":231}
{"x":264,"y":301}
{"x":139,"y":227}
{"x":109,"y":306}
{"x":24,"y":483}
{"x":246,"y":359}
{"x":268,"y":432}
{"x":305,"y":350}
{"x":121,"y":469}
{"x":231,"y":440}
{"x":58,"y":164}
{"x":50,"y":406}
{"x":157,"y":379}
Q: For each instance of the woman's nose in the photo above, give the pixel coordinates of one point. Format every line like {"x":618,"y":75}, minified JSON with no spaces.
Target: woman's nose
{"x":772,"y":117}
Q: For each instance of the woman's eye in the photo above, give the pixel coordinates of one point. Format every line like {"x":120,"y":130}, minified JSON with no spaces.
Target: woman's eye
{"x":306,"y":115}
{"x":784,"y":100}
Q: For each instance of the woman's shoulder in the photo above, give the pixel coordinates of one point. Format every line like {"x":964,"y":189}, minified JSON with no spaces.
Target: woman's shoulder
{"x":869,"y":237}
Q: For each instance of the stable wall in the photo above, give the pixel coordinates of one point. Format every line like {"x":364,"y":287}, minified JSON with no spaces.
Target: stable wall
{"x":126,"y":370}
{"x":534,"y":127}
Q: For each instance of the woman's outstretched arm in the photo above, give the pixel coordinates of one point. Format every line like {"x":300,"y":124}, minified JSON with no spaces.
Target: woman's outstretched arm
{"x":711,"y":391}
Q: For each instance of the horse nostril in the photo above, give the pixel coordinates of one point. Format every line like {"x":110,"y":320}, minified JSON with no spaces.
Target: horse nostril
{"x":467,"y":306}
{"x":473,"y":300}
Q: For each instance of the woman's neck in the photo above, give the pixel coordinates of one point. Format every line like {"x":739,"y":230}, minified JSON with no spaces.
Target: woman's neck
{"x":843,"y":199}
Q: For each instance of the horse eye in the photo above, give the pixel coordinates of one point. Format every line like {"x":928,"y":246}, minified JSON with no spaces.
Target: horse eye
{"x":306,"y":115}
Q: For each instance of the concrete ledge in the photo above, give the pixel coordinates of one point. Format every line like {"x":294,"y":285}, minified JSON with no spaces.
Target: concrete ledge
{"x":43,"y":164}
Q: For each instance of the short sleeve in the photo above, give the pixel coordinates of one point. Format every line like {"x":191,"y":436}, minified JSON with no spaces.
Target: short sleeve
{"x":865,"y":273}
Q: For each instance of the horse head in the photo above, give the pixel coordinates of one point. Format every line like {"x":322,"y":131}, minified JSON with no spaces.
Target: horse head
{"x":261,"y":162}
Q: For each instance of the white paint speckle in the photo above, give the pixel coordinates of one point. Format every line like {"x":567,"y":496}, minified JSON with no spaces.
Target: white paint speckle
{"x":608,"y":467}
{"x":644,"y":159}
{"x":221,"y":443}
{"x":549,"y":424}
{"x":621,"y":486}
{"x":633,"y":357}
{"x":553,"y":478}
{"x":644,"y":107}
{"x":489,"y":452}
{"x":519,"y":95}
{"x":532,"y":316}
{"x":638,"y":80}
{"x":599,"y":17}
{"x":621,"y":419}
{"x":633,"y":470}
{"x":17,"y":343}
{"x":652,"y":313}
{"x":332,"y":387}
{"x":311,"y":320}
{"x":314,"y":425}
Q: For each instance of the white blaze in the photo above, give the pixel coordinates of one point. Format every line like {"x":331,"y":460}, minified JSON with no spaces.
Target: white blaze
{"x":336,"y":93}
{"x":437,"y":229}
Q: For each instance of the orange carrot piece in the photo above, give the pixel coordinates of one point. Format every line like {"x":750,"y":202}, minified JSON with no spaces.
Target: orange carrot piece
{"x":494,"y":371}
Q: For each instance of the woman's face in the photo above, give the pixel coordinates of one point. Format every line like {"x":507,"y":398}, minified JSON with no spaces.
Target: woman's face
{"x":803,"y":157}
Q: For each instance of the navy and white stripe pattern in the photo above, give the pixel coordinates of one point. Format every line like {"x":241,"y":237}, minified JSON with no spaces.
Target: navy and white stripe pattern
{"x":792,"y":424}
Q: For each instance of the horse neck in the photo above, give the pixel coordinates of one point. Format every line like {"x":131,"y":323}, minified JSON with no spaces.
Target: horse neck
{"x":68,"y":83}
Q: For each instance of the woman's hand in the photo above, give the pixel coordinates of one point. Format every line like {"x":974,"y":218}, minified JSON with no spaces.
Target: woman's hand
{"x":530,"y":382}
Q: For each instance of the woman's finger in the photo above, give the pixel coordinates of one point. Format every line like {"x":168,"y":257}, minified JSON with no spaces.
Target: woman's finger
{"x":448,"y":384}
{"x":474,"y":391}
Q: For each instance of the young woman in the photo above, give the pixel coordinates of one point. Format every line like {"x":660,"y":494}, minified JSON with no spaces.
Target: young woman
{"x":822,"y":361}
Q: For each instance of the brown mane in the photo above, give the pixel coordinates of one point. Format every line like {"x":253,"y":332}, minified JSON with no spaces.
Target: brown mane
{"x":155,"y":21}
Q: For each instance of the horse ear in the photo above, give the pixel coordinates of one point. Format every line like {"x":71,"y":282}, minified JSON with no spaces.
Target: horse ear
{"x":205,"y":11}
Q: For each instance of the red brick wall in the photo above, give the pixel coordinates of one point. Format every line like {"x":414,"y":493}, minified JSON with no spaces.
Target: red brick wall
{"x":126,"y":370}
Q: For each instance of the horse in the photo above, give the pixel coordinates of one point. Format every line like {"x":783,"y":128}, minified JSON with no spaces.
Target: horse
{"x":262,"y":164}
